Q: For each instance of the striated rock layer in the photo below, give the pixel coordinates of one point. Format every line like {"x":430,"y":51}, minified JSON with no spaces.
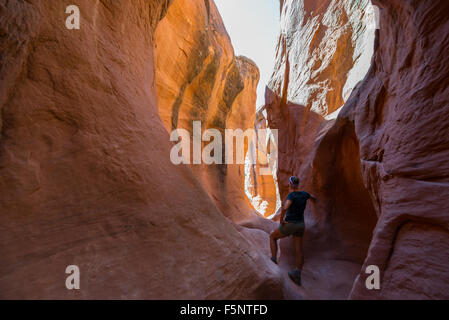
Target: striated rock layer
{"x":85,"y":171}
{"x":200,"y":79}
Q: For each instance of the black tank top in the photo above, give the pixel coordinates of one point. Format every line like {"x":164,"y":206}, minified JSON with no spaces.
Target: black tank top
{"x":295,"y":213}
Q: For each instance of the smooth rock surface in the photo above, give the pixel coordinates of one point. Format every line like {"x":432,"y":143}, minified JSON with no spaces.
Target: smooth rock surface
{"x":85,"y":172}
{"x":200,"y":79}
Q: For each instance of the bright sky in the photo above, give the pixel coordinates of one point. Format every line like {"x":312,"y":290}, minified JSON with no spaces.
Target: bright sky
{"x":253,"y":26}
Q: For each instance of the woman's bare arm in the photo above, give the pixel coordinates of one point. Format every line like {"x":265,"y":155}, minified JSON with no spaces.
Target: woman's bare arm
{"x":287,"y":205}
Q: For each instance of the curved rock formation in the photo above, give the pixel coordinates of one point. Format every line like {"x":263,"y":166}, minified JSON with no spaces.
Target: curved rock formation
{"x":85,"y":171}
{"x":200,"y":79}
{"x":378,"y":165}
{"x":400,"y":115}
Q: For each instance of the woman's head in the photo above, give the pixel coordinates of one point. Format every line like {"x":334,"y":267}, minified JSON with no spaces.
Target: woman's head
{"x":294,"y":182}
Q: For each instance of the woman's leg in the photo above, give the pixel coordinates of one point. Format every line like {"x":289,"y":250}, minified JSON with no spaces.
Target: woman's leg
{"x":274,"y":237}
{"x":299,"y":252}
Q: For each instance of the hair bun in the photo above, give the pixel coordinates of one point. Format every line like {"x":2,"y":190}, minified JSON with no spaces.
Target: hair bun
{"x":293,"y":180}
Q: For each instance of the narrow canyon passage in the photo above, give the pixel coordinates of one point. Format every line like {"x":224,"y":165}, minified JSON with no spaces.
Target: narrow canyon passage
{"x":90,"y":120}
{"x":198,"y":78}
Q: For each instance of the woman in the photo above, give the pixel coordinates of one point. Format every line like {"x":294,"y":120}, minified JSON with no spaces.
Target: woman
{"x":292,"y":224}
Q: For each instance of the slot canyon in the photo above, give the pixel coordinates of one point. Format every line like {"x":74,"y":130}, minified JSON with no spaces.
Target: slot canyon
{"x":86,"y":179}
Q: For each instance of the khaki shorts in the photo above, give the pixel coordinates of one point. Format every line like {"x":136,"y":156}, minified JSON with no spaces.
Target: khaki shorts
{"x":292,"y":229}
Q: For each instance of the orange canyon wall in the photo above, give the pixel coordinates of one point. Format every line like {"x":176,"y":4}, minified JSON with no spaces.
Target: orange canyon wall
{"x":200,"y":79}
{"x":85,"y":170}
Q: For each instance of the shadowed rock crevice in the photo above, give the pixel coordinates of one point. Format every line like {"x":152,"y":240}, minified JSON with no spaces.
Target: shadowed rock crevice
{"x":347,"y":217}
{"x":325,"y":155}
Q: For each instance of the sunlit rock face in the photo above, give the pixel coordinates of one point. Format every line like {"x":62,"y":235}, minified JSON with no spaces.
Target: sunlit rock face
{"x":200,"y":79}
{"x":261,"y":182}
{"x":324,"y":49}
{"x":85,"y":171}
{"x":401,"y":120}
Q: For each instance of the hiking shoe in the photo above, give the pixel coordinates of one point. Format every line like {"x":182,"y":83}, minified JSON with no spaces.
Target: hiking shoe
{"x":274,"y":260}
{"x":295,"y":276}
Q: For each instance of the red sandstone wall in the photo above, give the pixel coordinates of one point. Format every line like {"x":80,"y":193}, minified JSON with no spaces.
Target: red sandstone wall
{"x":400,"y":115}
{"x":378,"y":168}
{"x":85,"y":173}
